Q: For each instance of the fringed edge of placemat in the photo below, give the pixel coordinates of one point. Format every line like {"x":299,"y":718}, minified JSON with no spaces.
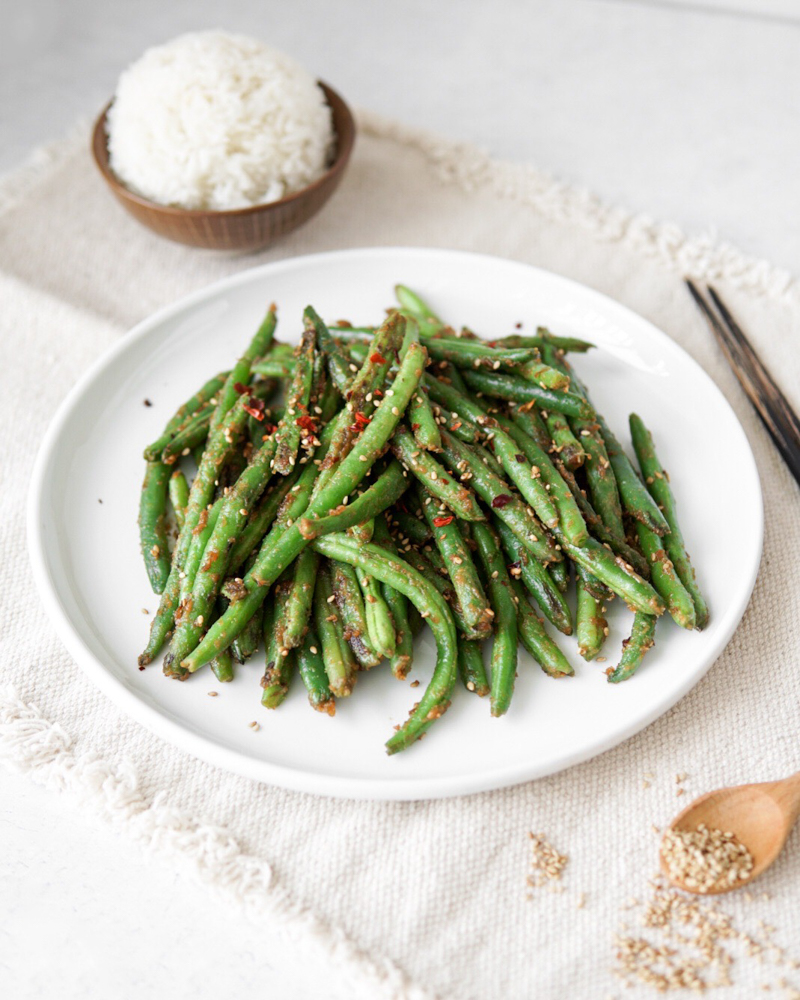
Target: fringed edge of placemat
{"x":700,"y":257}
{"x":31,"y":744}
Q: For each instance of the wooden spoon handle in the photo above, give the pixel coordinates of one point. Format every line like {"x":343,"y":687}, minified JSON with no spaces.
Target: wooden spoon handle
{"x":786,"y":794}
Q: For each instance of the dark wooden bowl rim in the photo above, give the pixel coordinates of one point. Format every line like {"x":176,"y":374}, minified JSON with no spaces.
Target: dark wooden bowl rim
{"x":344,"y":144}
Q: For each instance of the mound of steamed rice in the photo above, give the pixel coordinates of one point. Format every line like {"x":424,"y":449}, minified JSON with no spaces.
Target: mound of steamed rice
{"x":217,"y":121}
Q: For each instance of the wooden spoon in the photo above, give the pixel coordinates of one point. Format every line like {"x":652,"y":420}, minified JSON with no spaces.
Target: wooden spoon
{"x":761,"y":816}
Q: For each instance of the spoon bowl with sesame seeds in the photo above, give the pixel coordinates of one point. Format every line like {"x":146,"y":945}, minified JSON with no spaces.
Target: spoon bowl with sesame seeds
{"x":728,"y":837}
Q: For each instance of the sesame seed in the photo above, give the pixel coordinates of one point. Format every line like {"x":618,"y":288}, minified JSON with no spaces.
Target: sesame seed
{"x":212,"y":694}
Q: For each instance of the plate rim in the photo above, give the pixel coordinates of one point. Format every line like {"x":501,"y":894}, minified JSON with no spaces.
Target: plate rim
{"x":282,"y":775}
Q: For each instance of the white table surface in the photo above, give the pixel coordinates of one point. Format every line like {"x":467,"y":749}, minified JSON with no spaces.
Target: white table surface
{"x":688,"y":111}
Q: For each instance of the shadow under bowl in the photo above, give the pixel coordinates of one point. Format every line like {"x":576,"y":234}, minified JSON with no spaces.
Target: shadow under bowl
{"x":243,"y":228}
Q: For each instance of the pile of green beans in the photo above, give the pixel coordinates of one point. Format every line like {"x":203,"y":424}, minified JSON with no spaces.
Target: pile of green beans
{"x":371,"y":481}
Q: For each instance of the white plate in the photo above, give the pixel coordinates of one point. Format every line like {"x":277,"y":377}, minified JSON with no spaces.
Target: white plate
{"x":86,"y":559}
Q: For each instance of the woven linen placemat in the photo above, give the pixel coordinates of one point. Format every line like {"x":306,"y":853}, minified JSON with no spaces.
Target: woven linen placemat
{"x":425,"y":898}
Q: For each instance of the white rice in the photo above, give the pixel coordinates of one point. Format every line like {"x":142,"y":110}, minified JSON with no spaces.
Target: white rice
{"x":217,"y":121}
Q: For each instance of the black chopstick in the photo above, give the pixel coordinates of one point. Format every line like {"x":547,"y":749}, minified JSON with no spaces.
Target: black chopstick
{"x":772,"y":406}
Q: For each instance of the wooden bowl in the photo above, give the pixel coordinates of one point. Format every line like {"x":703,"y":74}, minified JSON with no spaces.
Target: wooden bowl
{"x":241,"y":228}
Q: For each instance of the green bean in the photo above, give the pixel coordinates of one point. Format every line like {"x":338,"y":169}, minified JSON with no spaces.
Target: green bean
{"x":312,"y":672}
{"x":598,"y":528}
{"x":434,"y":477}
{"x":152,"y":525}
{"x":413,"y":528}
{"x":297,"y":610}
{"x":222,"y":666}
{"x":242,"y":370}
{"x":529,"y":421}
{"x":403,"y":655}
{"x":504,"y":647}
{"x":542,"y":374}
{"x":340,"y":664}
{"x":591,"y":628}
{"x":460,"y":568}
{"x":196,"y":402}
{"x":559,"y":574}
{"x":666,"y":581}
{"x":387,"y":488}
{"x":415,"y":305}
{"x":260,"y":520}
{"x":470,"y":666}
{"x":337,"y":364}
{"x":518,"y":390}
{"x":465,"y":462}
{"x":379,"y":358}
{"x":657,"y":482}
{"x":430,"y":566}
{"x":297,"y":401}
{"x":634,"y":648}
{"x":193,"y":433}
{"x":249,"y":639}
{"x":535,"y":639}
{"x":380,"y":625}
{"x":617,"y":575}
{"x":600,"y":477}
{"x":279,"y":663}
{"x":633,"y":493}
{"x":275,"y":367}
{"x":565,"y":444}
{"x":570,"y":519}
{"x":560,"y":343}
{"x":350,"y":602}
{"x":433,"y":608}
{"x":422,"y":421}
{"x":464,"y":353}
{"x":178,"y":489}
{"x":538,"y":581}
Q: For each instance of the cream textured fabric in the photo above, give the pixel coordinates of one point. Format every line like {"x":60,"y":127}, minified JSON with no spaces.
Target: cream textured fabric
{"x":424,"y":898}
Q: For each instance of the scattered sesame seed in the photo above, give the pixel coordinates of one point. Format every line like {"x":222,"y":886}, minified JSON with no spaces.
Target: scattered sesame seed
{"x":212,"y":694}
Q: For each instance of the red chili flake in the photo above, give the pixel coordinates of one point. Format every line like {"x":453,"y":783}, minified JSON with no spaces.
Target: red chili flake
{"x":518,"y":326}
{"x":241,"y":389}
{"x":255,"y":407}
{"x":456,"y":425}
{"x":377,"y":359}
{"x":491,"y":343}
{"x":440,"y":522}
{"x":415,"y":427}
{"x":307,"y":423}
{"x":377,"y":392}
{"x":361,"y":420}
{"x":270,"y":428}
{"x":520,"y":458}
{"x":501,"y":500}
